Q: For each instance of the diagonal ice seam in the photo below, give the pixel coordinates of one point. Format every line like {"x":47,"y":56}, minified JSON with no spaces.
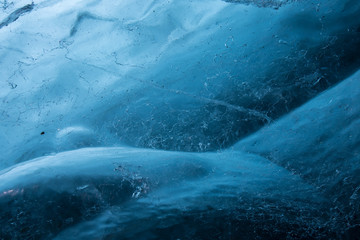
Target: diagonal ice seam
{"x":251,"y":112}
{"x":16,"y":14}
{"x":262,"y":3}
{"x":83,"y":16}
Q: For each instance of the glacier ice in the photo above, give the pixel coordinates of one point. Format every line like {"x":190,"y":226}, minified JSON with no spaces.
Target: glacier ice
{"x":173,"y":188}
{"x":92,"y":180}
{"x":152,"y":60}
{"x":191,"y":119}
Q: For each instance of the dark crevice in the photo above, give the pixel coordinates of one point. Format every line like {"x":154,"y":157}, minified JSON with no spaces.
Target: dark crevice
{"x":261,"y":3}
{"x":16,"y":14}
{"x":80,"y":18}
{"x":84,"y":16}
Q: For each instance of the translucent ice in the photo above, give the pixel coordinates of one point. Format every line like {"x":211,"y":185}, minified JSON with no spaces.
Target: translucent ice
{"x":191,"y":119}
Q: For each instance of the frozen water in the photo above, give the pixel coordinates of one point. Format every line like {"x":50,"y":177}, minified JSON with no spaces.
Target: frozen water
{"x":146,"y":183}
{"x":220,"y":73}
{"x":318,"y":193}
{"x":191,"y":119}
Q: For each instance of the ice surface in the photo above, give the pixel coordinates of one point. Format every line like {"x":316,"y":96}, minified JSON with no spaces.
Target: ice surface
{"x":220,"y":71}
{"x":320,"y":142}
{"x":191,"y":119}
{"x":164,"y":182}
{"x":111,"y":187}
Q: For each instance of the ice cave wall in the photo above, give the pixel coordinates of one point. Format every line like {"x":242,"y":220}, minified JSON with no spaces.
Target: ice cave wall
{"x":296,"y":178}
{"x":180,"y":75}
{"x":189,"y":75}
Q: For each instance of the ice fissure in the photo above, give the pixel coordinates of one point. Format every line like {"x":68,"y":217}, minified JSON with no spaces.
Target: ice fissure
{"x":16,"y":14}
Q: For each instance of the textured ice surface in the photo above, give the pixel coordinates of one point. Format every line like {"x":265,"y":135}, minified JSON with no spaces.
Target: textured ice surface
{"x":220,"y":71}
{"x":262,"y":3}
{"x":179,"y":119}
{"x":312,"y":190}
{"x":149,"y":184}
